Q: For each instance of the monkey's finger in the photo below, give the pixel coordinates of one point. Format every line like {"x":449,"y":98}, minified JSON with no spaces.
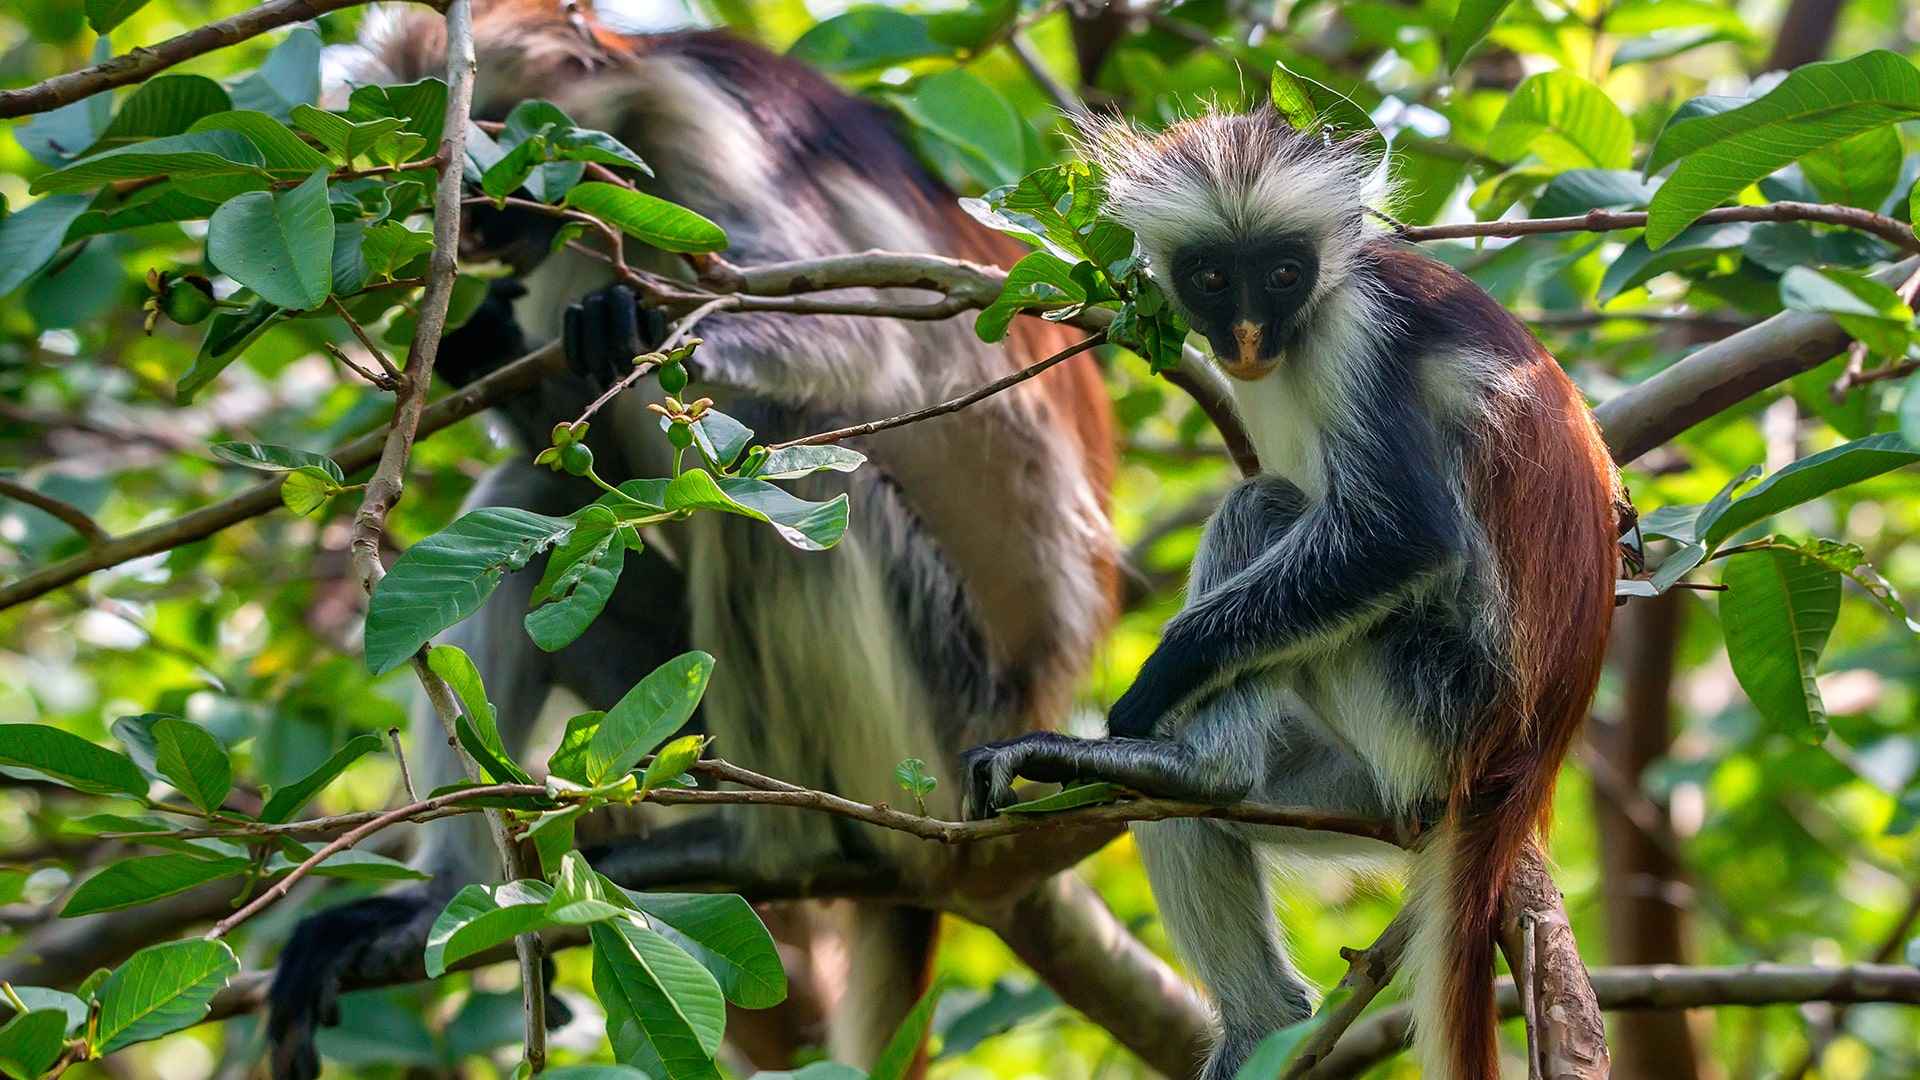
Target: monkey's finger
{"x":572,"y":338}
{"x":653,"y":327}
{"x":977,"y":779}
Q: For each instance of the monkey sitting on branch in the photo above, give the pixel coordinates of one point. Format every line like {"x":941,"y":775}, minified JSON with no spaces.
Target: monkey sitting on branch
{"x":1403,"y":615}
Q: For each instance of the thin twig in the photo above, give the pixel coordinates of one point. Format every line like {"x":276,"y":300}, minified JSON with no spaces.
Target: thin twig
{"x":1523,"y":980}
{"x":400,"y":757}
{"x":1893,"y":231}
{"x":136,"y":66}
{"x":379,"y":355}
{"x":1369,"y":971}
{"x":373,"y":378}
{"x":952,"y":405}
{"x":75,"y":518}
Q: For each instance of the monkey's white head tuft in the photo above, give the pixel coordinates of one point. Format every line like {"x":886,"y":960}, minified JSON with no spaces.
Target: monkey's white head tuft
{"x":1233,"y":177}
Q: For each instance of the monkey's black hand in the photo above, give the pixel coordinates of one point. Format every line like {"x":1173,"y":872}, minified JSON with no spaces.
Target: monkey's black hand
{"x":378,"y":939}
{"x":605,"y":330}
{"x":1154,"y":693}
{"x":989,"y":771}
{"x":378,"y":931}
{"x":490,"y":339}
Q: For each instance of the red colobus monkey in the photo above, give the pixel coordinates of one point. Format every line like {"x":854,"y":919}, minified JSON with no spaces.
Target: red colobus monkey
{"x":961,"y":606}
{"x":1403,"y":615}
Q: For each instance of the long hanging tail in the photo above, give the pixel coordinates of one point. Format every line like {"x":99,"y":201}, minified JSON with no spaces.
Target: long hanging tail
{"x":1458,"y":880}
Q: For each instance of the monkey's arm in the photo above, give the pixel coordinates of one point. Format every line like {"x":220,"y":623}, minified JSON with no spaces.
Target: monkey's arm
{"x":1390,"y":518}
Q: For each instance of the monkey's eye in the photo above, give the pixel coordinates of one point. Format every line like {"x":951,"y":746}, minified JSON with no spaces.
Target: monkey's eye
{"x":1284,"y":277}
{"x":1211,"y":280}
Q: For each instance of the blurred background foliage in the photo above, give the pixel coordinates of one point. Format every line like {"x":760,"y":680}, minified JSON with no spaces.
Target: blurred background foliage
{"x":1769,"y":846}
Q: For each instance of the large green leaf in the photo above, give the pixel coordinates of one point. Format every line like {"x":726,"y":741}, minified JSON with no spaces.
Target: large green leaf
{"x":898,"y":1056}
{"x":665,"y":225}
{"x":456,"y":667}
{"x":1566,"y":121}
{"x":1040,"y":279}
{"x":346,"y":139}
{"x":161,"y":106}
{"x":1471,"y":21}
{"x":30,"y":238}
{"x":655,"y":708}
{"x":161,"y":989}
{"x":866,"y":38}
{"x":1860,"y":171}
{"x":794,"y":462}
{"x":193,"y":761}
{"x":480,"y":917}
{"x":196,"y":154}
{"x":1777,"y":611}
{"x":809,"y":526}
{"x":582,"y":897}
{"x":662,"y":1006}
{"x":1814,"y":107}
{"x":420,"y":106}
{"x":228,"y":335}
{"x":31,"y":1042}
{"x":284,"y":151}
{"x":1577,"y":191}
{"x":967,"y":114}
{"x":70,"y":760}
{"x":278,"y":245}
{"x":290,"y":76}
{"x":126,"y":883}
{"x":104,"y":15}
{"x":1864,"y":308}
{"x":1809,"y":478}
{"x":722,"y":932}
{"x":1699,"y":245}
{"x":269,"y":457}
{"x":580,"y":578}
{"x":287,"y":801}
{"x":445,"y":578}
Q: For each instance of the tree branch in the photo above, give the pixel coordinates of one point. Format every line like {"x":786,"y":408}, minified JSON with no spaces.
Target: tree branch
{"x":136,"y":66}
{"x":1657,"y":986}
{"x":74,"y":517}
{"x":1893,"y":231}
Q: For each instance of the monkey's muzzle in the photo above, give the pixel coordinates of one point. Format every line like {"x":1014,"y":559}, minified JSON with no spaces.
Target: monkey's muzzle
{"x":1247,"y":363}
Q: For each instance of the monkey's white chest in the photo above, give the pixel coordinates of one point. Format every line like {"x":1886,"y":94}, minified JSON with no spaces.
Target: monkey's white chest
{"x":1285,"y":432}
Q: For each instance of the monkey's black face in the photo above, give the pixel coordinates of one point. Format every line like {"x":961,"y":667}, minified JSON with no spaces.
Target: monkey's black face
{"x":1246,"y":297}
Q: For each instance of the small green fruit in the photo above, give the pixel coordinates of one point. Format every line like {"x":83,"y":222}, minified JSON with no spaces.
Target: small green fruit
{"x":188,"y":300}
{"x":680,"y":435}
{"x":576,"y":458}
{"x":673,"y":378}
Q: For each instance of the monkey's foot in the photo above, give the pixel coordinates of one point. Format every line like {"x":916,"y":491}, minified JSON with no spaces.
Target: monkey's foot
{"x":605,"y":330}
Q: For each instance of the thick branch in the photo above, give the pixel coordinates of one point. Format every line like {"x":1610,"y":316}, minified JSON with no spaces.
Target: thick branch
{"x":1658,"y":986}
{"x":129,"y":68}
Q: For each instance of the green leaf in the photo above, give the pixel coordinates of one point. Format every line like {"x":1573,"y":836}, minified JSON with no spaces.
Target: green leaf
{"x":54,"y":137}
{"x":31,"y":1042}
{"x":726,"y":936}
{"x":911,"y":775}
{"x":1860,"y":171}
{"x":1577,"y":191}
{"x":1068,"y":798}
{"x":480,"y":917}
{"x":1814,"y":107}
{"x":129,"y":882}
{"x":1910,"y":410}
{"x":30,"y":238}
{"x":197,"y":155}
{"x":1039,"y":280}
{"x":809,"y":526}
{"x":580,"y":578}
{"x":103,"y":16}
{"x":280,"y":246}
{"x":1864,"y":308}
{"x":193,"y":761}
{"x":901,"y":1050}
{"x":660,"y":1002}
{"x":284,"y":151}
{"x":307,"y":489}
{"x":452,"y":663}
{"x":161,"y":106}
{"x":1004,"y":1008}
{"x":1776,"y":613}
{"x":569,"y":760}
{"x":40,"y":997}
{"x":1851,"y":561}
{"x":665,"y":225}
{"x":865,"y":39}
{"x":794,"y":462}
{"x":552,"y":836}
{"x":1566,"y":121}
{"x":580,"y":896}
{"x":1699,"y":245}
{"x":268,"y":457}
{"x":646,"y":715}
{"x":672,"y":761}
{"x":349,"y":865}
{"x":228,"y":335}
{"x":445,"y":578}
{"x":1058,"y":207}
{"x":595,"y":1072}
{"x":420,"y":106}
{"x":69,"y":759}
{"x":345,"y":139}
{"x":159,"y":990}
{"x":1809,"y":478}
{"x":288,"y":801}
{"x":1471,"y":21}
{"x":290,"y":76}
{"x":1274,"y":1053}
{"x":959,"y":109}
{"x":1311,"y":105}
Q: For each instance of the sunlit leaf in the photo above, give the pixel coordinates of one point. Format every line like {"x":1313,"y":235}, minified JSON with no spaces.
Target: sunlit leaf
{"x":161,"y":989}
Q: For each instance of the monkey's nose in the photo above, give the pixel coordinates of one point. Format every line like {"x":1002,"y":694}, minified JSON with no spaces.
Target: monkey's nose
{"x":1247,"y":363}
